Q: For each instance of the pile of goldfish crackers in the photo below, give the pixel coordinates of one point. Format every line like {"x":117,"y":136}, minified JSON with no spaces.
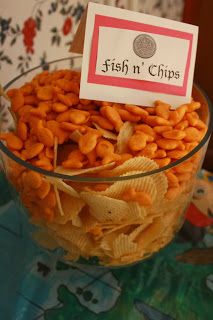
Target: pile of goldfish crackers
{"x":119,"y":222}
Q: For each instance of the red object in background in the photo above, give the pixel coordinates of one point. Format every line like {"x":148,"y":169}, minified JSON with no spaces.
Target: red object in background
{"x":197,"y":218}
{"x":29,"y":33}
{"x":67,"y":27}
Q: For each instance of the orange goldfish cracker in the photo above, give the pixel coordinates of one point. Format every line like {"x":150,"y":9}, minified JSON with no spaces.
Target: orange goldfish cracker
{"x":45,"y":93}
{"x":33,"y":179}
{"x":192,"y":134}
{"x":162,"y":110}
{"x":184,"y":167}
{"x":174,"y":134}
{"x":184,"y":176}
{"x":23,"y":110}
{"x":50,"y":200}
{"x":128,"y":116}
{"x":89,"y":107}
{"x":54,"y":126}
{"x":85,"y":102}
{"x":157,"y":121}
{"x":172,"y":179}
{"x":161,"y":129}
{"x":71,"y":127}
{"x":104,"y":148}
{"x":69,"y":100}
{"x":88,"y":142}
{"x":33,"y":150}
{"x":124,"y":157}
{"x":13,"y":142}
{"x":72,"y":164}
{"x":68,"y":86}
{"x":176,"y":154}
{"x":136,"y":110}
{"x":22,"y":130}
{"x":151,"y":110}
{"x":111,"y":158}
{"x":146,"y":129}
{"x":102,"y":122}
{"x":163,"y":162}
{"x":38,"y":113}
{"x":79,"y":116}
{"x":149,"y":150}
{"x":63,"y":117}
{"x":31,"y":100}
{"x":17,"y":100}
{"x":182,"y":125}
{"x":113,"y":116}
{"x":44,"y":106}
{"x":193,"y":106}
{"x":27,"y":89}
{"x":49,"y":153}
{"x":167,"y":144}
{"x":43,"y":164}
{"x":59,"y":107}
{"x":200,"y":125}
{"x":181,"y":145}
{"x":91,"y":156}
{"x":76,"y":154}
{"x":45,"y":136}
{"x":143,"y":198}
{"x":172,"y":193}
{"x":192,"y":118}
{"x":137,"y":141}
{"x":160,"y":154}
{"x":190,"y":145}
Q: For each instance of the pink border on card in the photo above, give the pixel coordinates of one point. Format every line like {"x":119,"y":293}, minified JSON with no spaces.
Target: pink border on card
{"x":110,"y":22}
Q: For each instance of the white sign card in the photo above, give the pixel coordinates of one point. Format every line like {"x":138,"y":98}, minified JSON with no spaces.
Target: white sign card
{"x":134,"y":58}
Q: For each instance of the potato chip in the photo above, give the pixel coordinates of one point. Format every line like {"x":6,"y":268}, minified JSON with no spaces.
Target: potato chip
{"x":71,"y":207}
{"x":124,"y":135}
{"x":106,"y":209}
{"x":142,"y":164}
{"x":73,"y":252}
{"x":44,"y":238}
{"x":161,"y":184}
{"x":75,"y":136}
{"x":87,"y":220}
{"x":140,"y":228}
{"x":62,"y":186}
{"x":58,"y":201}
{"x":74,"y":235}
{"x":123,"y":245}
{"x":86,"y":170}
{"x":106,"y":133}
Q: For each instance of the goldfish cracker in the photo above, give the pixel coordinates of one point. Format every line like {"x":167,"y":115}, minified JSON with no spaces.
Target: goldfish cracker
{"x":172,"y":193}
{"x":161,"y":129}
{"x":67,"y":126}
{"x":185,"y":167}
{"x":139,"y":111}
{"x":113,"y":116}
{"x":45,"y":136}
{"x":162,"y":110}
{"x":92,"y":156}
{"x":163,"y":162}
{"x":192,"y":134}
{"x":146,"y":129}
{"x":45,"y":106}
{"x":138,"y":141}
{"x":22,"y":130}
{"x":13,"y":141}
{"x":54,"y":126}
{"x":151,"y":110}
{"x":128,"y":116}
{"x":124,"y":157}
{"x":104,"y":148}
{"x":79,"y":116}
{"x":181,"y":145}
{"x":30,"y":100}
{"x":102,"y":122}
{"x":183,"y":176}
{"x":69,"y":99}
{"x":194,"y":105}
{"x":160,"y":153}
{"x":88,"y":142}
{"x":27,"y":89}
{"x":149,"y":150}
{"x":176,"y":154}
{"x":17,"y":100}
{"x":167,"y":144}
{"x":182,"y":125}
{"x":45,"y":93}
{"x":63,"y":117}
{"x":38,"y":113}
{"x":67,"y":86}
{"x":190,"y":145}
{"x":112,"y":157}
{"x":192,"y":118}
{"x":33,"y":150}
{"x":59,"y":107}
{"x":172,"y":179}
{"x":33,"y":179}
{"x":143,"y":198}
{"x":154,"y":121}
{"x":174,"y":134}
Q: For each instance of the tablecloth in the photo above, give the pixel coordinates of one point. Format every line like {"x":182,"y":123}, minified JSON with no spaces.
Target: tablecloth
{"x":176,"y":283}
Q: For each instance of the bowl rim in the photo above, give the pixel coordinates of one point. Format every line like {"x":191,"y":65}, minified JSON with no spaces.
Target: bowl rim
{"x":83,"y":179}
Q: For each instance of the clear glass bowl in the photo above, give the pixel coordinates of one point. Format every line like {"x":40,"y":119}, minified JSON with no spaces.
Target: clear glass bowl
{"x":151,"y":228}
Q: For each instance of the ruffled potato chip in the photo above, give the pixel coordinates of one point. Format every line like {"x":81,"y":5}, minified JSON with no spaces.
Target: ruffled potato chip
{"x":106,"y":133}
{"x":124,"y":135}
{"x":123,"y":245}
{"x":62,"y":186}
{"x":78,"y":172}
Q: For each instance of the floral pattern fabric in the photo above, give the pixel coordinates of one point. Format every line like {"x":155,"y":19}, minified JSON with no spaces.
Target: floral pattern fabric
{"x":33,"y":32}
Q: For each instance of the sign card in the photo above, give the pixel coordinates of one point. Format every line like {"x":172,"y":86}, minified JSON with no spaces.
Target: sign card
{"x":133,"y":58}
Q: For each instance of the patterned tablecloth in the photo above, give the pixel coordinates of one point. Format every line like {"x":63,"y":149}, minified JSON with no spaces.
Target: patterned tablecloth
{"x":177,"y":283}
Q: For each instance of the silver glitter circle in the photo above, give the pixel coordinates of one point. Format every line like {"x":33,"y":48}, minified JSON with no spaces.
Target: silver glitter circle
{"x":144,"y":46}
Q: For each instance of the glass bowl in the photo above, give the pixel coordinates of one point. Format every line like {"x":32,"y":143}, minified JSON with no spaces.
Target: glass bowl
{"x":97,"y":227}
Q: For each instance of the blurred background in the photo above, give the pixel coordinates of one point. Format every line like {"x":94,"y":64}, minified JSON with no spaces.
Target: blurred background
{"x":33,"y":32}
